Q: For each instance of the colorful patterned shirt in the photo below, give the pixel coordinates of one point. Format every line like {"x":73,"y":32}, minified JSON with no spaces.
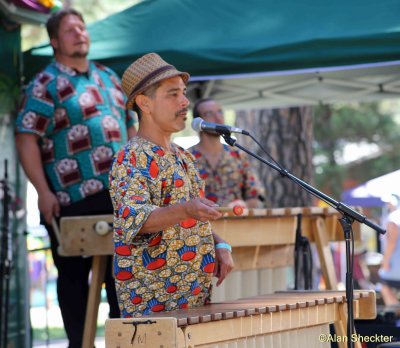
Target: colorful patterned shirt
{"x":232,"y":179}
{"x":169,"y":269}
{"x":81,"y":120}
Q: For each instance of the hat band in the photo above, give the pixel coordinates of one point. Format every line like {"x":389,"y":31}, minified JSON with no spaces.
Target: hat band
{"x":149,"y":77}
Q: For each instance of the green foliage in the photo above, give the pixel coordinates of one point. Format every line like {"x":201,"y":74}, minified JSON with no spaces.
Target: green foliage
{"x":341,"y":124}
{"x":92,"y":10}
{"x":54,"y":334}
{"x":9,"y":93}
{"x":378,"y":166}
{"x":354,"y":123}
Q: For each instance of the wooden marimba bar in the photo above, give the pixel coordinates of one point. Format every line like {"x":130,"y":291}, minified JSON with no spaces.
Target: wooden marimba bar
{"x":277,"y":226}
{"x":257,"y":237}
{"x":264,"y":238}
{"x":285,"y":319}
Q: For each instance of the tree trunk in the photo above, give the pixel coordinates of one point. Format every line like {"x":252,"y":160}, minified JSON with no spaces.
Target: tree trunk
{"x":286,"y":134}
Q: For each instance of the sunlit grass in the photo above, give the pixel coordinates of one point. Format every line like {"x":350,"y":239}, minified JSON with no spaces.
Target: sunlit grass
{"x":57,"y":333}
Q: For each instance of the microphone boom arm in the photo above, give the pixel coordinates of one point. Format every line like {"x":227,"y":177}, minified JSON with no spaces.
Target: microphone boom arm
{"x":348,"y":217}
{"x":339,"y":206}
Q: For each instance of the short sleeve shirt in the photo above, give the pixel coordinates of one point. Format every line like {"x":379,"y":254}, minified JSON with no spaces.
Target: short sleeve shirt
{"x":81,"y":120}
{"x":232,"y":179}
{"x":394,"y":264}
{"x":168,"y":269}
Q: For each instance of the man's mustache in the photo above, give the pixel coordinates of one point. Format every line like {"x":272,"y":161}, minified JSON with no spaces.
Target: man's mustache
{"x":184,"y":110}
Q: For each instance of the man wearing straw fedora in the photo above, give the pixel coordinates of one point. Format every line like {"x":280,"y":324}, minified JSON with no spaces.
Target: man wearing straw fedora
{"x":165,"y":252}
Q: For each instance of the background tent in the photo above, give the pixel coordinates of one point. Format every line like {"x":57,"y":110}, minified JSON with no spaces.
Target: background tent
{"x":372,"y":192}
{"x":259,"y":52}
{"x":26,"y":11}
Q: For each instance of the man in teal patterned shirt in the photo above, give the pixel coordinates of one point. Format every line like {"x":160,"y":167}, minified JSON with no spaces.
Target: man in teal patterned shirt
{"x":71,"y":121}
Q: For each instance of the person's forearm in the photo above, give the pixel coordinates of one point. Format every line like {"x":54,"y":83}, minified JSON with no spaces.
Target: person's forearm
{"x":165,"y":217}
{"x":188,"y":213}
{"x":162,"y":218}
{"x":388,"y":253}
{"x":391,"y":240}
{"x":31,"y":161}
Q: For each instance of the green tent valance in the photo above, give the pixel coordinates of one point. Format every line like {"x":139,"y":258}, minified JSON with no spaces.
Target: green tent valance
{"x":215,"y":39}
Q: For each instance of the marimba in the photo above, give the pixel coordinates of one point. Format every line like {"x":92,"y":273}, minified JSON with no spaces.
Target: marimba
{"x":284,"y":319}
{"x":261,"y":238}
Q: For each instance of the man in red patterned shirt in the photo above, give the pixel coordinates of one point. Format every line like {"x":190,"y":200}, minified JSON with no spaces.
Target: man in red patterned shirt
{"x":226,"y":171}
{"x":165,"y":250}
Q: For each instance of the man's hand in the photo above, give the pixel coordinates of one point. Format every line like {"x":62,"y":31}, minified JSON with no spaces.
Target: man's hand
{"x":223,"y":264}
{"x":202,"y":209}
{"x":31,"y":160}
{"x":48,"y":205}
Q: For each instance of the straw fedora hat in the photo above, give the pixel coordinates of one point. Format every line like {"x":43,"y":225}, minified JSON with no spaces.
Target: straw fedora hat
{"x":146,"y":71}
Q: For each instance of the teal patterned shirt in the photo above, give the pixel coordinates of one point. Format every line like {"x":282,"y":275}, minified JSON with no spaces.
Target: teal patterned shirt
{"x":81,"y":120}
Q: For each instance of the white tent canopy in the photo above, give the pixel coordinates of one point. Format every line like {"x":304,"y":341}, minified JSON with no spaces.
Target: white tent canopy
{"x":367,"y":82}
{"x":375,"y":192}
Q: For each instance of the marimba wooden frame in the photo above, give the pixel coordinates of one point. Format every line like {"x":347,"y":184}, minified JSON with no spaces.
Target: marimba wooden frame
{"x":272,"y":231}
{"x":283,"y":312}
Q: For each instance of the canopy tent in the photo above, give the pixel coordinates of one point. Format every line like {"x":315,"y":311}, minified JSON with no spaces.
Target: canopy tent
{"x":374,"y":193}
{"x":28,"y":11}
{"x":259,"y":52}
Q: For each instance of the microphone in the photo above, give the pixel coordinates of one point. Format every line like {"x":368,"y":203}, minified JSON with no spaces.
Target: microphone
{"x":200,"y":125}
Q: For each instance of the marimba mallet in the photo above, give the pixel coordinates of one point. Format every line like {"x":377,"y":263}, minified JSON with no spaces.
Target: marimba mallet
{"x":236,"y":210}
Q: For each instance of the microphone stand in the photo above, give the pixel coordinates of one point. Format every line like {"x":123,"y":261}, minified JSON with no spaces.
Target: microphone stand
{"x":349,"y":215}
{"x":5,"y":262}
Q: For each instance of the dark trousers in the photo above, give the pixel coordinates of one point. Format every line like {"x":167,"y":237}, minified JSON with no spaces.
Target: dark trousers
{"x":73,"y":273}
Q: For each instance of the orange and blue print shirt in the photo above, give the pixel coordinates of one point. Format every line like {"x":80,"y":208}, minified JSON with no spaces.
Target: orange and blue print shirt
{"x":230,"y":180}
{"x":168,"y":269}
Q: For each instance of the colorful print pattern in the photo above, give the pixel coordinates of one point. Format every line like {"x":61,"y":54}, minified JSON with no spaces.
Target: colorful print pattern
{"x":81,"y":121}
{"x":168,"y":269}
{"x":232,"y":179}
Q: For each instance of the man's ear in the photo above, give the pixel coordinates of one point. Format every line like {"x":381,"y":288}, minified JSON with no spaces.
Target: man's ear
{"x":142,"y":102}
{"x":54,"y":43}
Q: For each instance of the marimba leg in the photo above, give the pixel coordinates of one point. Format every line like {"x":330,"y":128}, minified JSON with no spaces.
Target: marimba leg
{"x":325,"y":253}
{"x":92,"y":309}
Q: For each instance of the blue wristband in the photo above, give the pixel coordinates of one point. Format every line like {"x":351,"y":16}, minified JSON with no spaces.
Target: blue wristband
{"x":223,"y":246}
